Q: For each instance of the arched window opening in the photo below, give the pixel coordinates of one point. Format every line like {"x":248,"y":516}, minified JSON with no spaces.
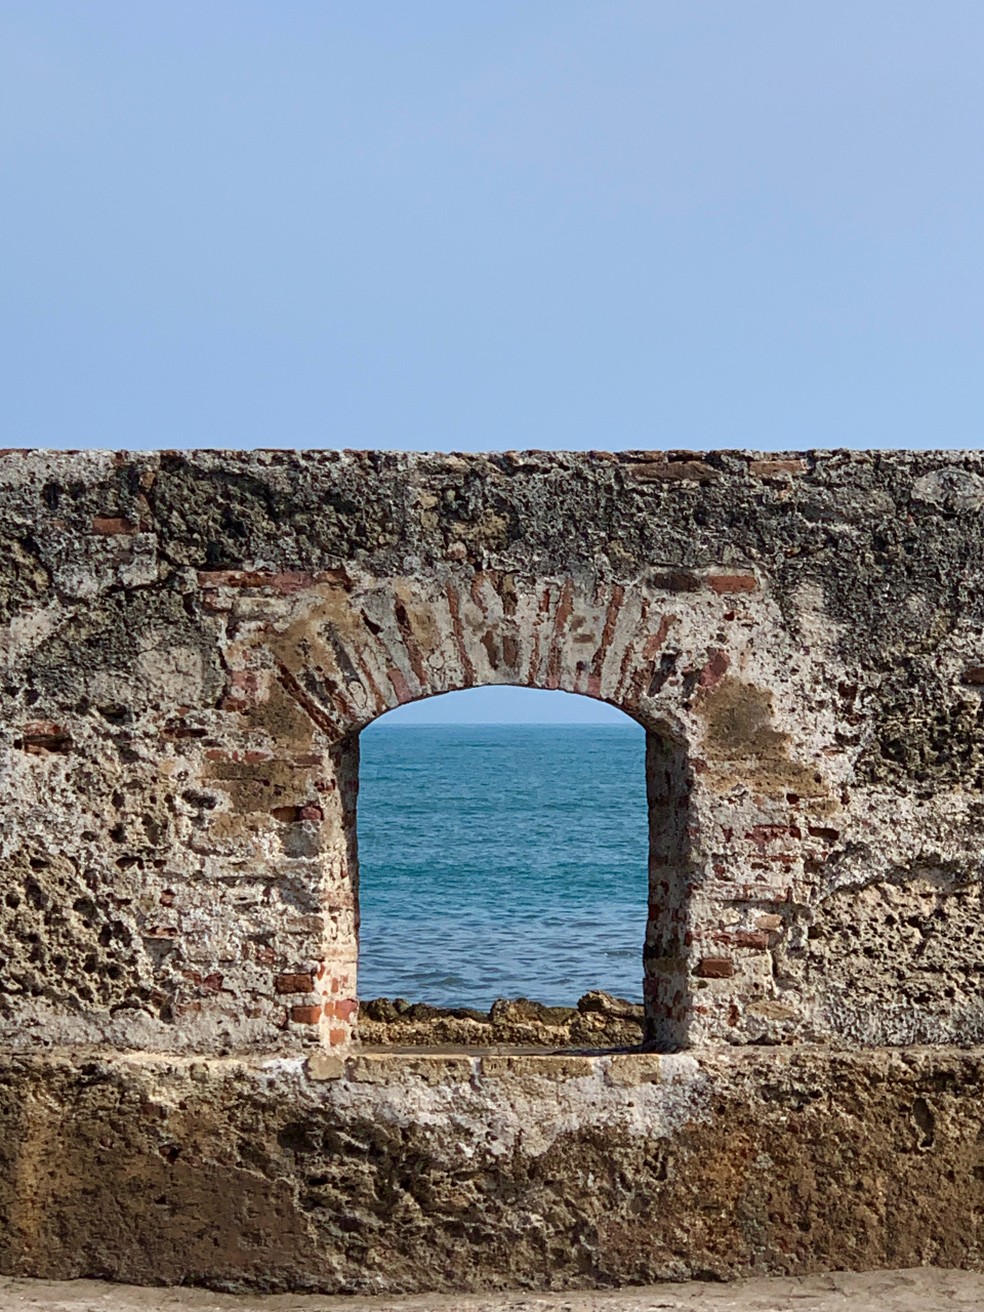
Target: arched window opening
{"x":503,"y":838}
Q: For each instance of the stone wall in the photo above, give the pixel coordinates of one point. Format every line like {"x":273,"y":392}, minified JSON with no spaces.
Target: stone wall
{"x":192,"y":643}
{"x":416,"y":1173}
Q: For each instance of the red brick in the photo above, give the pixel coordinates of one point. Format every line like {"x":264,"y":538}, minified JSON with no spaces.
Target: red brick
{"x":756,"y":938}
{"x":112,"y":525}
{"x":714,"y":968}
{"x":654,"y":643}
{"x":730,"y":583}
{"x":338,"y":1036}
{"x":715,"y":669}
{"x":40,"y":736}
{"x":294,"y":983}
{"x":400,"y":685}
{"x":306,"y":1015}
{"x":744,"y":938}
{"x":673,"y":471}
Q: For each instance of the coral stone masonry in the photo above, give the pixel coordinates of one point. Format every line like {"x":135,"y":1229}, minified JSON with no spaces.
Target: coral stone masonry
{"x":192,"y":643}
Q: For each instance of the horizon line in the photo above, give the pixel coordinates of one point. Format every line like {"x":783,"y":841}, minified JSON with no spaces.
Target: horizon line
{"x":502,"y":724}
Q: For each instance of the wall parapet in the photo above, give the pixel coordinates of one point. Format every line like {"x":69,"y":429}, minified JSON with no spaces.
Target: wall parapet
{"x":193,"y":641}
{"x":415,"y":1173}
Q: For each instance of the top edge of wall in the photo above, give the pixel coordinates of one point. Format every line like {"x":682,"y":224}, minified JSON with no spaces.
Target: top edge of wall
{"x":595,"y":453}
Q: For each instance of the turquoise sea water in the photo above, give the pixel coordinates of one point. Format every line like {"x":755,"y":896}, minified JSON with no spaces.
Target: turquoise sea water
{"x":502,"y":861}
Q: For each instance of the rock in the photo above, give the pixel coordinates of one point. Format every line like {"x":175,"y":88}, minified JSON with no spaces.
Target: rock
{"x":595,"y":1000}
{"x":604,"y":1022}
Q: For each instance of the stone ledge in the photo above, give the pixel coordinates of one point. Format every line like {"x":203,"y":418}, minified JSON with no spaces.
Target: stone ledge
{"x":251,"y":1174}
{"x":549,"y":1066}
{"x":357,"y":1065}
{"x":428,"y":1068}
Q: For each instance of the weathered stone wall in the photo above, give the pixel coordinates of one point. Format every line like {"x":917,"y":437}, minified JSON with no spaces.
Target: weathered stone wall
{"x":192,"y":642}
{"x":456,"y":1173}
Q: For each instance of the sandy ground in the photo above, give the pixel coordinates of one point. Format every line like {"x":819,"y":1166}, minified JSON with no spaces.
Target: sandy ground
{"x":918,"y":1290}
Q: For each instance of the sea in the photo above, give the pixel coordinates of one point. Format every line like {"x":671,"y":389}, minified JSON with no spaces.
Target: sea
{"x":502,"y":861}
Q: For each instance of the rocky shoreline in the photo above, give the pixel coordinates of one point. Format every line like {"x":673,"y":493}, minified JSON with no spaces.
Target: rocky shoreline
{"x":598,"y":1021}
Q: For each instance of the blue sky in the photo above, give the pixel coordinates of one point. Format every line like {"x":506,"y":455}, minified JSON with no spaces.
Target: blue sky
{"x":506,"y":705}
{"x":446,"y":225}
{"x":459,"y":226}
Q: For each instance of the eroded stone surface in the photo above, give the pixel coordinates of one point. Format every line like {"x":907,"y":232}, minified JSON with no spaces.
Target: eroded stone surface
{"x":467,"y":1172}
{"x":191,"y":643}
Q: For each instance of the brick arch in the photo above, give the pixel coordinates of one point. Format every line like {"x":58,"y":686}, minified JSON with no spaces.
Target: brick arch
{"x":350,"y":652}
{"x":267,"y":803}
{"x":328,"y":655}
